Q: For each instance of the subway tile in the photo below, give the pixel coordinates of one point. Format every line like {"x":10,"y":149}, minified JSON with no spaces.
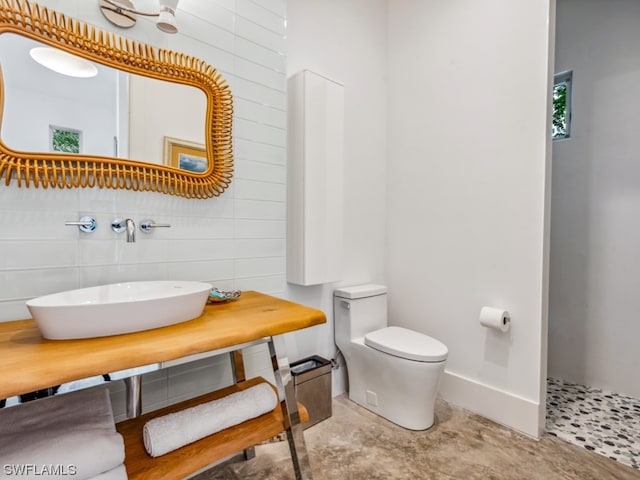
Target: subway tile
{"x":260,"y":54}
{"x":197,"y":249}
{"x":263,"y":247}
{"x":24,"y":284}
{"x":38,"y":199}
{"x":196,"y":378}
{"x":257,"y":33}
{"x":263,"y":75}
{"x":266,"y":172}
{"x":256,"y":112}
{"x":257,"y":132}
{"x":260,"y":228}
{"x":203,"y":271}
{"x":256,"y":267}
{"x":201,"y":29}
{"x":268,"y":285}
{"x":33,"y":254}
{"x":13,"y":310}
{"x":261,"y":16}
{"x":279,"y":7}
{"x":260,"y":152}
{"x":217,"y":13}
{"x":253,"y":91}
{"x":199,"y":227}
{"x":257,"y":190}
{"x":218,"y":58}
{"x":97,"y":252}
{"x":90,"y":276}
{"x":37,"y":225}
{"x":143,"y":250}
{"x":257,"y":362}
{"x":260,"y":210}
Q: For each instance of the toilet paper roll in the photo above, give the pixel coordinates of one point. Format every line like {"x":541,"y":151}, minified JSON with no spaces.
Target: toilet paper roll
{"x":496,"y":318}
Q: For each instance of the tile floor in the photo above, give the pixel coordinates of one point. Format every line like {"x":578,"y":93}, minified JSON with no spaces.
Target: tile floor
{"x":603,"y":422}
{"x":355,"y":444}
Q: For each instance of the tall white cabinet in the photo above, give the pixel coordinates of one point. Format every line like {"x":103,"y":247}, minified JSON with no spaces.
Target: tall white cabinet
{"x":315,"y":185}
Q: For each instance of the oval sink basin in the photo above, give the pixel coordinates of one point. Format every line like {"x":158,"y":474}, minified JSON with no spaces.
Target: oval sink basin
{"x":117,"y":308}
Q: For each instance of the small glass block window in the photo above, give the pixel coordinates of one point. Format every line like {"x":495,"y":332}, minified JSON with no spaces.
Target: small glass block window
{"x":65,"y":140}
{"x":561,"y":127}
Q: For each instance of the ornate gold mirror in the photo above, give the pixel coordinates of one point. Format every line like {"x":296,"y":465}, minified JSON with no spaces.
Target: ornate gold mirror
{"x":195,"y":162}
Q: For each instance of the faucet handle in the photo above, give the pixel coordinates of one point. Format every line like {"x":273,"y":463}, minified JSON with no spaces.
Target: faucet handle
{"x":147,"y":225}
{"x":85,"y":224}
{"x":118,"y":225}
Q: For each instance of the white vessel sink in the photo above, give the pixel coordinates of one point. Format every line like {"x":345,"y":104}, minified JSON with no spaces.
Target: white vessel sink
{"x":118,"y":308}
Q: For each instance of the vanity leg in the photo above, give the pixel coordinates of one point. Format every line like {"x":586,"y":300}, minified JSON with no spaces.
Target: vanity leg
{"x":284,"y":381}
{"x":133,"y":387}
{"x":237,"y":372}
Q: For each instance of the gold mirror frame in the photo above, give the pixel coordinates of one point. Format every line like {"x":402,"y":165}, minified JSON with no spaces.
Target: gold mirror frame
{"x":61,"y":171}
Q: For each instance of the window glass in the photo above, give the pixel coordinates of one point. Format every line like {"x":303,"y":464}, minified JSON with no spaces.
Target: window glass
{"x":561,"y":127}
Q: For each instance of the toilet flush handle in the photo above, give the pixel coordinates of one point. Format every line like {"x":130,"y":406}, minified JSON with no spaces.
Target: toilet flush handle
{"x":346,"y":305}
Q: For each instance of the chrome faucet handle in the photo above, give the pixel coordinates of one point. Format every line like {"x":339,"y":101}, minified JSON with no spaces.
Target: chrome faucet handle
{"x":118,"y":225}
{"x":148,"y":225}
{"x":85,"y":224}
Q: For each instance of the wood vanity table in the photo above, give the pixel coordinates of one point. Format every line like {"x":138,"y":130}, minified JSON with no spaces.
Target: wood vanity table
{"x":32,"y":363}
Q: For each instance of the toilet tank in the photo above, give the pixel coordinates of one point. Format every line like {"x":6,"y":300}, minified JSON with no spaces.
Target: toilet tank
{"x":359,"y":310}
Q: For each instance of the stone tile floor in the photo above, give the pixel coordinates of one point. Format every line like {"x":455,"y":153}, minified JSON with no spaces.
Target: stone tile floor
{"x":355,"y":444}
{"x":604,"y":422}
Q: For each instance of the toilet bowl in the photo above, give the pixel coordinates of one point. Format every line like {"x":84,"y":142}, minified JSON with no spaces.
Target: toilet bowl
{"x":392,"y":371}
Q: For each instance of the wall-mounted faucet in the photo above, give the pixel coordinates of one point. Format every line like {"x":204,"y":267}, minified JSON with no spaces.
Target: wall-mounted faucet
{"x":128,"y":225}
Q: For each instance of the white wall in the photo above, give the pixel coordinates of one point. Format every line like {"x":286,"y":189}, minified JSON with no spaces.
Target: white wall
{"x":467,"y":137}
{"x":595,"y":259}
{"x":37,"y":98}
{"x":159,"y":109}
{"x":29,"y":116}
{"x":234,"y":241}
{"x":346,"y":41}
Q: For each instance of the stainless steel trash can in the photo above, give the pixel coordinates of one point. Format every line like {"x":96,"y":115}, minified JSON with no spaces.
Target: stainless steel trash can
{"x":312,"y":384}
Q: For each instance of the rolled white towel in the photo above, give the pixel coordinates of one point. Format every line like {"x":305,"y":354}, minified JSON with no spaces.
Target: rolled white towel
{"x":170,"y":432}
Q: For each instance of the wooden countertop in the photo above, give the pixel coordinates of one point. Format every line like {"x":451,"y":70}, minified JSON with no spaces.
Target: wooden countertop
{"x":30,"y":362}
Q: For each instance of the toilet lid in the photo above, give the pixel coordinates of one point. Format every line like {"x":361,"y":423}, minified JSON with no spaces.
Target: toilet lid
{"x":408,"y":344}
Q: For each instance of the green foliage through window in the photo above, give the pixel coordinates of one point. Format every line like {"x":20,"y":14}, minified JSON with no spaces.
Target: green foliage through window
{"x":67,"y":141}
{"x":561,"y":126}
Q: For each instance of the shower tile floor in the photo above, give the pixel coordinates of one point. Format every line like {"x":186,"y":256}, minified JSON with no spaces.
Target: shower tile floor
{"x":599,"y":421}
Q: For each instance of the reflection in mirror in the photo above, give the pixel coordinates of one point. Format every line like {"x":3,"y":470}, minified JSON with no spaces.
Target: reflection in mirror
{"x":43,"y":169}
{"x":112,"y":114}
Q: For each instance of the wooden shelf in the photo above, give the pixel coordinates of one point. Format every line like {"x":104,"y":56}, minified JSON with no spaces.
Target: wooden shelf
{"x":196,"y":456}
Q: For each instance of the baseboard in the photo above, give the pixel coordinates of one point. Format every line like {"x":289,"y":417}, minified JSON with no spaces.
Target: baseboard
{"x":502,"y":407}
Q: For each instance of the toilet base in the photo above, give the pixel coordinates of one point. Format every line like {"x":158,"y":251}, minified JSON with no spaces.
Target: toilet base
{"x":400,"y":390}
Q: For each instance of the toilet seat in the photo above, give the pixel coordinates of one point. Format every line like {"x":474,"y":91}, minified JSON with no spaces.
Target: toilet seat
{"x":408,"y":344}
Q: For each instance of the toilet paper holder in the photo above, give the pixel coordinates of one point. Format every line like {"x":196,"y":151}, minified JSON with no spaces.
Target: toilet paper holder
{"x":495,"y":318}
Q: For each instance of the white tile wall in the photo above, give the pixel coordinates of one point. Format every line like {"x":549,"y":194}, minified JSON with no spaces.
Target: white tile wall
{"x":234,"y":241}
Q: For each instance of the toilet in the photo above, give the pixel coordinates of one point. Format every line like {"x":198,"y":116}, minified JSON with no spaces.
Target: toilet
{"x":393,"y":372}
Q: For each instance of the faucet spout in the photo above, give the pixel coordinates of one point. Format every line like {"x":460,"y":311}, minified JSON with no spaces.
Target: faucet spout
{"x":130,"y":227}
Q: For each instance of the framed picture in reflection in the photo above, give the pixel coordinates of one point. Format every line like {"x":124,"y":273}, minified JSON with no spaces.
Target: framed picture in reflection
{"x":185,"y":155}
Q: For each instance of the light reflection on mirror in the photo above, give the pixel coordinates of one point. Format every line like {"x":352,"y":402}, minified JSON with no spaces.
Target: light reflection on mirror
{"x":114,"y":114}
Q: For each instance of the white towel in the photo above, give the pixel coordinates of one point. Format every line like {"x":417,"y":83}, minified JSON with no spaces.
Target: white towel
{"x":60,"y":434}
{"x":170,"y":432}
{"x":118,"y":473}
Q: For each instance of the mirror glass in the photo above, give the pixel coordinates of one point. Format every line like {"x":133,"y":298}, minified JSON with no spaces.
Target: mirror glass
{"x":112,"y":114}
{"x":158,"y":140}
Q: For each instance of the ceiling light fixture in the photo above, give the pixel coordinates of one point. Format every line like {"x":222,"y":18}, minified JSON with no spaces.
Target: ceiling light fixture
{"x":123,"y":14}
{"x":63,"y":62}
